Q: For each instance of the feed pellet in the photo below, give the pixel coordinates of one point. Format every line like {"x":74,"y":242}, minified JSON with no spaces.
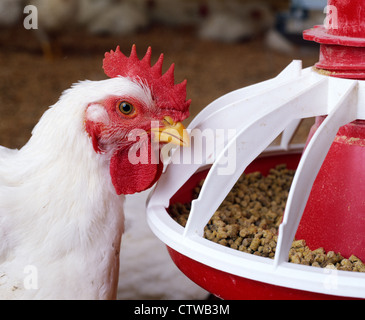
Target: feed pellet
{"x":249,"y":217}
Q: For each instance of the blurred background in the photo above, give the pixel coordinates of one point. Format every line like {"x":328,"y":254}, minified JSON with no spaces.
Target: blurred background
{"x":217,"y":45}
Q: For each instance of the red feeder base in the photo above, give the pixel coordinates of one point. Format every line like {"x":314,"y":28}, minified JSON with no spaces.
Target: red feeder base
{"x":228,"y":286}
{"x":231,"y":287}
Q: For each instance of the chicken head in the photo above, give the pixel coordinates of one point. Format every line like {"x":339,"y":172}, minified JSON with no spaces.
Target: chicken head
{"x":130,"y":126}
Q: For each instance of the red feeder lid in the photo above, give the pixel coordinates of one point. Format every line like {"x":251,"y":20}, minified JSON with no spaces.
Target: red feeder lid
{"x":342,"y":39}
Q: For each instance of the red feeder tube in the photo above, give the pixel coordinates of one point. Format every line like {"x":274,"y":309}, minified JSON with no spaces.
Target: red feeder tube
{"x":334,"y":217}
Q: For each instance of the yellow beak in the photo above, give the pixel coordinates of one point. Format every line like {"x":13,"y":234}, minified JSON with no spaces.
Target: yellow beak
{"x":171,"y":132}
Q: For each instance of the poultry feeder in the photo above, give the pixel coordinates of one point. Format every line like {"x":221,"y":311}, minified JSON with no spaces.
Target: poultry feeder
{"x":325,"y":206}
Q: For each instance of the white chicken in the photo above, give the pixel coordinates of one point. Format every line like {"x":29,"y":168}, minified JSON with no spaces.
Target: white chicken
{"x":62,"y":194}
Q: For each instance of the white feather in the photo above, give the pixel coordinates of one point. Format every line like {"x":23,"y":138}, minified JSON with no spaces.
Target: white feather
{"x":97,"y":113}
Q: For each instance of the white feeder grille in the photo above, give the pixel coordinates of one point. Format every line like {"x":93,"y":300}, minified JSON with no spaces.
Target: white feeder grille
{"x":259,"y":113}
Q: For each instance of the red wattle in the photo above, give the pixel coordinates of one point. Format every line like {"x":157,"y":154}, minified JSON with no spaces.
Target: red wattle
{"x":130,"y":178}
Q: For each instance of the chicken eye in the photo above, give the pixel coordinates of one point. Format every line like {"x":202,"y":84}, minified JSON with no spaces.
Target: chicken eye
{"x":126,"y":108}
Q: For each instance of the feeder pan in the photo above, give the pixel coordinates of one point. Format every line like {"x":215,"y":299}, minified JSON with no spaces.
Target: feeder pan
{"x":325,"y":199}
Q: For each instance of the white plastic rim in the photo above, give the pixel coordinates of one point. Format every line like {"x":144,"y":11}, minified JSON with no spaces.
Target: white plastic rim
{"x":293,"y":95}
{"x":289,"y":275}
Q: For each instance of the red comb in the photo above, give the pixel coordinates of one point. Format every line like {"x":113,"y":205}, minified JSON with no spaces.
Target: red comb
{"x":166,"y":94}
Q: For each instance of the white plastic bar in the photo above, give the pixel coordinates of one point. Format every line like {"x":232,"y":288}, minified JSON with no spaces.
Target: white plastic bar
{"x":291,"y":72}
{"x":343,"y":113}
{"x":232,"y":111}
{"x":289,"y":133}
{"x":251,"y":141}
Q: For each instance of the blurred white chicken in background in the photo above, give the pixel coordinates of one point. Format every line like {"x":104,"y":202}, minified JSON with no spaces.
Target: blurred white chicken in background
{"x":113,"y":16}
{"x":54,"y":17}
{"x":236,"y":20}
{"x":177,"y":12}
{"x":96,"y":16}
{"x":10,"y":12}
{"x":228,"y":21}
